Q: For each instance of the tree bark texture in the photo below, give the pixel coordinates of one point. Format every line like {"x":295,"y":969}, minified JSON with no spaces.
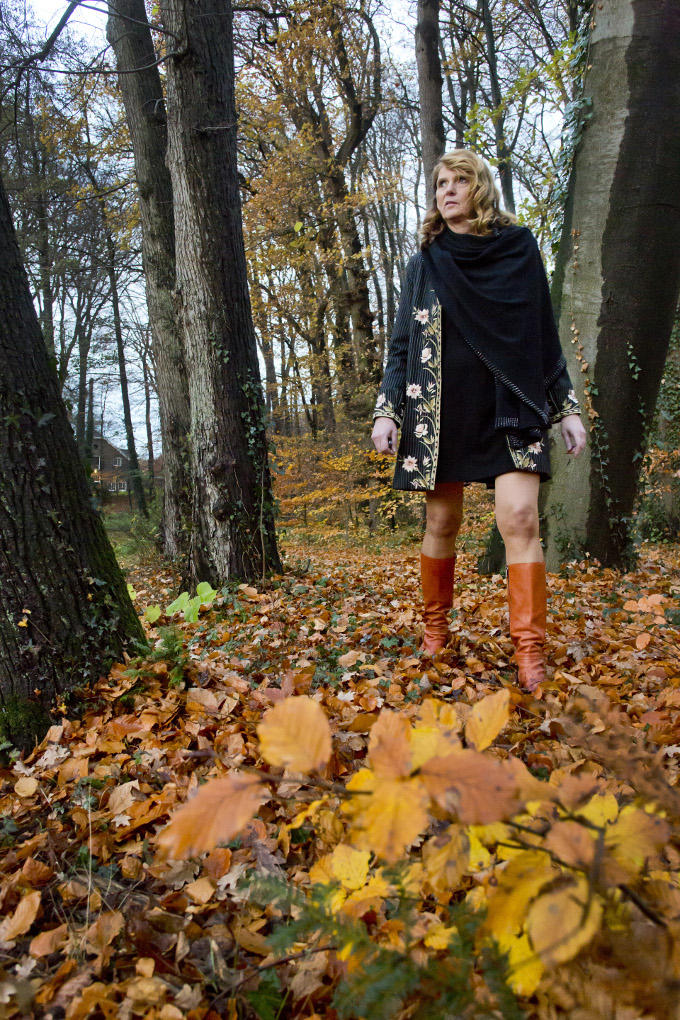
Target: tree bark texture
{"x":64,"y":609}
{"x":618,"y":272}
{"x":430,"y":83}
{"x":232,"y":519}
{"x":129,"y":34}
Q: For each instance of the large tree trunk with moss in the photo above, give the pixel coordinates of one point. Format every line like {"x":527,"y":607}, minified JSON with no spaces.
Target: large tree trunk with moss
{"x":616,"y":284}
{"x":232,"y":517}
{"x":65,"y":614}
{"x":128,"y":32}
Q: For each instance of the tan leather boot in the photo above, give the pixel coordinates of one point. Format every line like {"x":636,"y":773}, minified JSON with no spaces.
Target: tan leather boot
{"x":437,"y":581}
{"x":527,"y":604}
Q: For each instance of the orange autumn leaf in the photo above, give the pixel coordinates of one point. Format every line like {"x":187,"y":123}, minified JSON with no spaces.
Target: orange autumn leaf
{"x":389,"y":746}
{"x":48,"y":942}
{"x":215,"y":815}
{"x":295,"y":734}
{"x":487,"y":719}
{"x":104,"y":930}
{"x":642,"y":640}
{"x":474,"y":788}
{"x":21,"y":920}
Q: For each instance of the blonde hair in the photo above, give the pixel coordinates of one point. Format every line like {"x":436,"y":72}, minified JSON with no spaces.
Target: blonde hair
{"x":484,"y":197}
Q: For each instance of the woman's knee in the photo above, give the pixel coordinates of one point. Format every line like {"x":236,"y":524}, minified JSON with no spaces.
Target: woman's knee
{"x":443,"y":520}
{"x":519,"y":521}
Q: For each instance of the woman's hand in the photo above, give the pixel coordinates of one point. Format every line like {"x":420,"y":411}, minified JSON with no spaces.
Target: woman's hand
{"x":384,"y":436}
{"x":574,"y":434}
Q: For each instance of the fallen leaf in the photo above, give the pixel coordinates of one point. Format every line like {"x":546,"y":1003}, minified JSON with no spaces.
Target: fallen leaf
{"x":215,"y":815}
{"x":23,"y":917}
{"x":26,"y":786}
{"x":487,"y":719}
{"x":295,"y":734}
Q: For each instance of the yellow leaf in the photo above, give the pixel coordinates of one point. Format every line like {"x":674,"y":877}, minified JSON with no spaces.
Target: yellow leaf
{"x":561,"y":923}
{"x":525,"y":967}
{"x":23,"y":917}
{"x":350,"y":867}
{"x":390,"y":818}
{"x":296,"y":735}
{"x":445,"y":859}
{"x":26,"y":786}
{"x":48,"y":942}
{"x":388,"y":746}
{"x":634,"y":837}
{"x":215,"y":815}
{"x":439,"y":936}
{"x":600,"y":809}
{"x":369,"y":897}
{"x":518,"y":884}
{"x":487,"y":719}
{"x":430,"y":742}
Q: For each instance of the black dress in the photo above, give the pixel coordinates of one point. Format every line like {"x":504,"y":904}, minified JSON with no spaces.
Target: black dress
{"x":471,"y":449}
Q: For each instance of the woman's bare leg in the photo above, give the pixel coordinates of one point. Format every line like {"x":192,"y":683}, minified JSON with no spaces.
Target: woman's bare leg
{"x":517,"y":518}
{"x":438,"y":562}
{"x":444,"y":510}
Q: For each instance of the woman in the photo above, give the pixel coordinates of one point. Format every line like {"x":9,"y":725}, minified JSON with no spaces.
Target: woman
{"x":475,"y":376}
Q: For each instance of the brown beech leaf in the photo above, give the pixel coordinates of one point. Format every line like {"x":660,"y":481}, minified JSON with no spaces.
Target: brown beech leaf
{"x":471,"y":786}
{"x":389,"y":747}
{"x":215,"y":815}
{"x":48,"y":942}
{"x":21,"y":920}
{"x":296,"y":735}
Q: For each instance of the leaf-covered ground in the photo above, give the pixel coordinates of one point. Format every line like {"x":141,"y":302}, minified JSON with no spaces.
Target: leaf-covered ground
{"x":98,"y":923}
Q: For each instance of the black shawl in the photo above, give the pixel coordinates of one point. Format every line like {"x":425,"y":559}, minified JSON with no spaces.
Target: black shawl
{"x":495,"y":295}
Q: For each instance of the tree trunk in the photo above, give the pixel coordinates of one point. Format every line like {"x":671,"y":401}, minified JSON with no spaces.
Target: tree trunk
{"x":64,"y":609}
{"x":430,"y":84}
{"x":618,"y":272}
{"x":147,"y":420}
{"x":129,"y":34}
{"x":232,"y":518}
{"x":136,"y":486}
{"x":499,"y":124}
{"x":89,"y":428}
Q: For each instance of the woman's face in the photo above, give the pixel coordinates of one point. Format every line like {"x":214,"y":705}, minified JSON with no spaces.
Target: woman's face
{"x":453,"y":199}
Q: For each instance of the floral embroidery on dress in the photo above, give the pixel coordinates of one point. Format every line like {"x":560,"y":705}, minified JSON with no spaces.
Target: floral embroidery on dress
{"x":525,"y":458}
{"x":409,"y":464}
{"x":426,"y":430}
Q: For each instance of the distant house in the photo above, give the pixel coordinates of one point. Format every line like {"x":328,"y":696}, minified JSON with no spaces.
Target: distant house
{"x":110,"y":465}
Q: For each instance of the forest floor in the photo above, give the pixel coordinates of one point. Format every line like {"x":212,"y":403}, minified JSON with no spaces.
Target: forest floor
{"x":98,"y":922}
